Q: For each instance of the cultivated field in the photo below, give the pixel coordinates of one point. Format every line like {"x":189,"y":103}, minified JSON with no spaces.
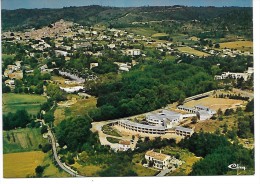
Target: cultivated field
{"x":22,"y":140}
{"x":13,"y":102}
{"x":21,"y":165}
{"x":190,"y":50}
{"x":240,"y":45}
{"x":216,"y":103}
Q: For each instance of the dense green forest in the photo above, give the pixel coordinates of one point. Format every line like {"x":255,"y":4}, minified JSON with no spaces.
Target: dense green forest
{"x":216,"y":21}
{"x":148,"y":87}
{"x":217,"y":152}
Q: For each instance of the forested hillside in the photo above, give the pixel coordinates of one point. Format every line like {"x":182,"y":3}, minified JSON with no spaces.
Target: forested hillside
{"x":212,"y":19}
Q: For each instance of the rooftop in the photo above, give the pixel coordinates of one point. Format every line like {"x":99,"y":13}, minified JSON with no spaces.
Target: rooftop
{"x":157,"y":156}
{"x":124,"y":142}
{"x":142,"y":125}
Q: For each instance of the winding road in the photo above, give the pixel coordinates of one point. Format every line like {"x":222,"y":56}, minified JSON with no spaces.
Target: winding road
{"x":61,"y":165}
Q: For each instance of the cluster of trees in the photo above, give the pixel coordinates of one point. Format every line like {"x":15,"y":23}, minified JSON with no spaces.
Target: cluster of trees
{"x":55,"y":92}
{"x":74,"y":132}
{"x":149,"y":86}
{"x":236,"y":97}
{"x":217,"y":153}
{"x":157,"y":143}
{"x":20,"y":118}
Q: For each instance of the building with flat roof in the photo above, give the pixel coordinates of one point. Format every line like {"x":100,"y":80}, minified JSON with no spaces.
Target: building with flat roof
{"x":137,"y":127}
{"x":165,"y":118}
{"x":184,"y":132}
{"x":159,"y":160}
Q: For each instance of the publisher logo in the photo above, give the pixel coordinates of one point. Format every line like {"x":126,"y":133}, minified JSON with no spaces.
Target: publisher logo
{"x":236,"y":166}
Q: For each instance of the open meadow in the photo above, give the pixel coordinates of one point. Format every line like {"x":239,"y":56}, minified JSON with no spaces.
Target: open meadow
{"x":216,"y":103}
{"x":21,"y":165}
{"x":190,"y":50}
{"x":13,"y":102}
{"x":240,"y":45}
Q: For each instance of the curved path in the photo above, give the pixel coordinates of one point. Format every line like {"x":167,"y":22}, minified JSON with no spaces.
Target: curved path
{"x":61,"y":165}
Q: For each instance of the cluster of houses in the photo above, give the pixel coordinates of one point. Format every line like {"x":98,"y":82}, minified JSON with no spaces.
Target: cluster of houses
{"x":13,"y":72}
{"x":231,"y":75}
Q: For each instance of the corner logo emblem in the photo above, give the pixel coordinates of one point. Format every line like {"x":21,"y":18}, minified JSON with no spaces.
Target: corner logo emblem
{"x":236,"y":166}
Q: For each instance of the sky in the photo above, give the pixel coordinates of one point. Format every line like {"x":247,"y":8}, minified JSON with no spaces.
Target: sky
{"x":30,"y":4}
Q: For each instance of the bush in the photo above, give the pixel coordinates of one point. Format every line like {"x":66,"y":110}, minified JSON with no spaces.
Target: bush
{"x":39,"y":170}
{"x":46,"y":148}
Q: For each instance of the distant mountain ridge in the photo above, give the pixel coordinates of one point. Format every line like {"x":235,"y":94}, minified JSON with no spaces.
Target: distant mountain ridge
{"x":123,"y":17}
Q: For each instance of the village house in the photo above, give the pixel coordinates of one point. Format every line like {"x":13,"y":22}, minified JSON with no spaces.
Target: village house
{"x":16,"y":75}
{"x":159,"y":160}
{"x":124,"y":145}
{"x":133,"y":52}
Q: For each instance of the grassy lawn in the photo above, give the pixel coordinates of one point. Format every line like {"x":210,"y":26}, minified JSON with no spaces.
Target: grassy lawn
{"x":141,"y":31}
{"x":21,"y":165}
{"x":50,"y":169}
{"x":88,"y":170}
{"x":59,"y":115}
{"x":110,"y":131}
{"x":13,"y":102}
{"x":22,"y":140}
{"x":6,"y":56}
{"x":113,"y":140}
{"x":190,"y":50}
{"x":82,"y":106}
{"x":158,"y":35}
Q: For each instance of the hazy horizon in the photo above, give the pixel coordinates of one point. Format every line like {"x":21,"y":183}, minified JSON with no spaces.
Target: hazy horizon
{"x":32,"y":4}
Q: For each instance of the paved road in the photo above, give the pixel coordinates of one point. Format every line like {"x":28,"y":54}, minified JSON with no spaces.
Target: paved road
{"x":66,"y":169}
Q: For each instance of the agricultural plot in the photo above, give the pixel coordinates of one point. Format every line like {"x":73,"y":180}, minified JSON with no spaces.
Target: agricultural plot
{"x":239,"y":45}
{"x":13,"y":102}
{"x":22,"y":140}
{"x":21,"y":165}
{"x":190,"y":50}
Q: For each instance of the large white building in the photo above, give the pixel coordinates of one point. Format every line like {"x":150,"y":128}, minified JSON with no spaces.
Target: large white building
{"x":165,"y":118}
{"x":203,"y":113}
{"x":246,"y":75}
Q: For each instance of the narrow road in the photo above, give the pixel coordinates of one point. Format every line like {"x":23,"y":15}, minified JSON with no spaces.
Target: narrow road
{"x":61,"y":165}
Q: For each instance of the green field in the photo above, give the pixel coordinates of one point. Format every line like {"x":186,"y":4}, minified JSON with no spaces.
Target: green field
{"x":22,"y":140}
{"x":13,"y":102}
{"x":6,"y":56}
{"x":141,"y":31}
{"x":190,"y":50}
{"x":110,"y":131}
{"x":113,"y":140}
